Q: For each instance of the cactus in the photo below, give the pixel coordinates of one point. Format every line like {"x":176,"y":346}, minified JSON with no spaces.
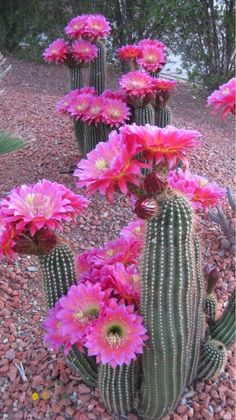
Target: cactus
{"x":171,"y":301}
{"x":76,"y":82}
{"x":210,"y":304}
{"x":212,"y":360}
{"x":223,"y":329}
{"x":163,"y":116}
{"x":228,"y":226}
{"x":58,"y":275}
{"x":97,"y":77}
{"x":144,"y":115}
{"x":118,"y":387}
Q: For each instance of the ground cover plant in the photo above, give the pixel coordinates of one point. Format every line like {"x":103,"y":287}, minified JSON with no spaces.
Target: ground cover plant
{"x":142,"y":161}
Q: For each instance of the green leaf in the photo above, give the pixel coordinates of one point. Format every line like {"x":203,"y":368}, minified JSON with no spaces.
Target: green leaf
{"x":9,"y":143}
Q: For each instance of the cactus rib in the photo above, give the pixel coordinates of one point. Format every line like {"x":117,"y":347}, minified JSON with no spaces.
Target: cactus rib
{"x":224,"y":328}
{"x":163,"y":117}
{"x":212,"y":360}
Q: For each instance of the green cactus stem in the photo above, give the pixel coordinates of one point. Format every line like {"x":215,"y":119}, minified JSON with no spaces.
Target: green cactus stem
{"x":210,"y":305}
{"x":118,"y":387}
{"x":97,"y":77}
{"x":94,"y":134}
{"x":76,"y":82}
{"x":58,"y":275}
{"x":144,"y":115}
{"x":163,"y":117}
{"x":212,"y":360}
{"x":224,"y":328}
{"x":171,"y":299}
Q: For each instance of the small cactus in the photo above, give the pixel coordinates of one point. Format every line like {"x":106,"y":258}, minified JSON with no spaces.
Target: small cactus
{"x":228,"y":227}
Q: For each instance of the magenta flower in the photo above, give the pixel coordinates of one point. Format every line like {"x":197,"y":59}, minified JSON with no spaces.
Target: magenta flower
{"x":82,"y":304}
{"x":117,"y":336}
{"x":125,"y":282}
{"x":128,"y":53}
{"x":53,"y":327}
{"x":152,"y":58}
{"x":109,"y":167}
{"x":165,"y":85}
{"x":134,"y":231}
{"x":121,"y":250}
{"x":57,"y":52}
{"x":83,"y":51}
{"x":75,"y":27}
{"x":114,"y":94}
{"x":137,"y":84}
{"x":151,"y":42}
{"x":80,"y":104}
{"x":93,"y":113}
{"x":115,"y":112}
{"x":7,"y":238}
{"x":160,"y":145}
{"x":97,"y":26}
{"x":224,"y":98}
{"x":70,"y":98}
{"x":44,"y":204}
{"x":199,"y":190}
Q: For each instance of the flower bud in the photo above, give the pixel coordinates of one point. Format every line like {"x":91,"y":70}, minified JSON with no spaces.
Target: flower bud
{"x":146,"y":208}
{"x":155,"y":183}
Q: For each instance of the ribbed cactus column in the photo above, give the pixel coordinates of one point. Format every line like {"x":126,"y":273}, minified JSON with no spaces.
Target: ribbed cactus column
{"x":212,"y":360}
{"x":144,"y":115}
{"x":224,"y":328}
{"x":163,"y":116}
{"x":118,"y":387}
{"x":98,"y":69}
{"x":94,"y":134}
{"x":170,"y":304}
{"x":58,"y":275}
{"x":76,"y":82}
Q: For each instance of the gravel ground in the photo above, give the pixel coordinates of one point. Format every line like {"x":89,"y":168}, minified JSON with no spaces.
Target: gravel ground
{"x":27,"y":109}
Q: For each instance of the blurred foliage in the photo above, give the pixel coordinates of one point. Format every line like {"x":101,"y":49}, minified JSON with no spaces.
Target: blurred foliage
{"x":9,"y":143}
{"x":202,"y":31}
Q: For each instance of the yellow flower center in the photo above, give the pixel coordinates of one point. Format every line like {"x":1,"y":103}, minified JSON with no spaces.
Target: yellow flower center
{"x":110,"y":252}
{"x":135,"y":278}
{"x":137,"y":83}
{"x":79,"y":315}
{"x":150,"y":58}
{"x":115,"y":113}
{"x":203,"y":182}
{"x":137,"y":229}
{"x":226,"y":91}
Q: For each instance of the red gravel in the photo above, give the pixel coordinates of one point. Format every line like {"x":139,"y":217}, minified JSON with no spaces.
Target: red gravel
{"x":28,"y":109}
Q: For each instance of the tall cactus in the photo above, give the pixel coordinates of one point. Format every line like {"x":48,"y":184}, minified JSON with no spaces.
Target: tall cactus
{"x":58,"y":270}
{"x":171,"y":300}
{"x":97,"y":77}
{"x":163,"y":116}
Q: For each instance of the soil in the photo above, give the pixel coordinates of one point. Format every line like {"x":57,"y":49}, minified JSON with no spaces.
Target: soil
{"x":27,"y":109}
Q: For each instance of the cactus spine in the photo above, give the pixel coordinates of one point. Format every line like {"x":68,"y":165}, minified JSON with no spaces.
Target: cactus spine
{"x":170,"y":302}
{"x":144,"y":115}
{"x":163,"y":117}
{"x":210,"y":304}
{"x":118,"y":387}
{"x":58,"y":275}
{"x":76,"y":82}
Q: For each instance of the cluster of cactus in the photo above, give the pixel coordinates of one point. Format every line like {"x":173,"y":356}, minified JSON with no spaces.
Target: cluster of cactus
{"x":228,"y":240}
{"x":182,"y":345}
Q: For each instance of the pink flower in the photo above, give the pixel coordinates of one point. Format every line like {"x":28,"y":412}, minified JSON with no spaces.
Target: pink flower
{"x":63,"y":105}
{"x":137,"y":84}
{"x":116,"y":337}
{"x":93,"y":113}
{"x":165,"y":85}
{"x":82,"y":304}
{"x":83,"y":51}
{"x":80,"y":104}
{"x":85,"y":261}
{"x":124,"y":281}
{"x":224,"y":98}
{"x":128,"y":52}
{"x":7,"y":236}
{"x":199,"y":190}
{"x":75,"y":27}
{"x":161,"y":145}
{"x":109,"y":167}
{"x":121,"y":250}
{"x":57,"y":52}
{"x":134,"y":231}
{"x":53,"y":326}
{"x":114,"y":94}
{"x":44,"y":204}
{"x":115,"y":112}
{"x":96,"y":27}
{"x":151,"y":42}
{"x":152,"y":58}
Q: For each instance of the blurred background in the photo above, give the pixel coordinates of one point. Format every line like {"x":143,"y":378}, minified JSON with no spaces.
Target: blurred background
{"x":199,"y":34}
